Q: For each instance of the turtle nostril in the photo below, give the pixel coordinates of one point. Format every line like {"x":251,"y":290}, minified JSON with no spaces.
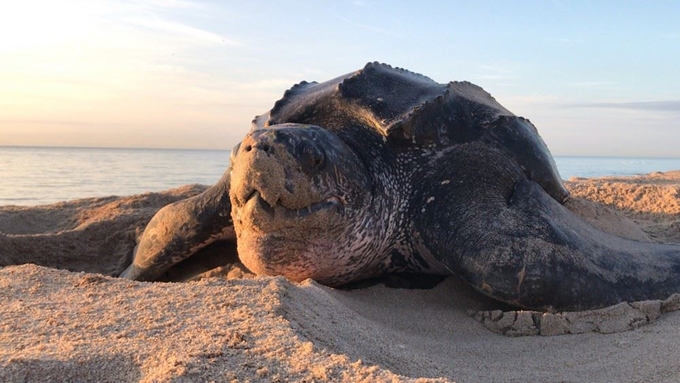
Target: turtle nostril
{"x":266,"y":148}
{"x":248,"y":148}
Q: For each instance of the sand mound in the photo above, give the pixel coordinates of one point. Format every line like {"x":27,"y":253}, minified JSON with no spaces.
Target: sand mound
{"x":651,"y":201}
{"x":73,"y":326}
{"x":95,"y":234}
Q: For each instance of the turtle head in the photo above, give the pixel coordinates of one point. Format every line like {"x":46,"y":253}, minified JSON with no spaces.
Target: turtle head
{"x":300,"y":198}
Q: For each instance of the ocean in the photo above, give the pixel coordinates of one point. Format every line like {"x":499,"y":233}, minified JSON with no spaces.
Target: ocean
{"x":43,"y":175}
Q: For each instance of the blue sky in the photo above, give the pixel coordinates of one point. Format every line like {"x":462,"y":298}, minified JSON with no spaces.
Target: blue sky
{"x":596,"y":78}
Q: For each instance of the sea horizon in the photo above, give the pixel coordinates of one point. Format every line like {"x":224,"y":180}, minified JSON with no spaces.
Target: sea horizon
{"x":228,"y":150}
{"x":38,"y":175}
{"x":103,"y":147}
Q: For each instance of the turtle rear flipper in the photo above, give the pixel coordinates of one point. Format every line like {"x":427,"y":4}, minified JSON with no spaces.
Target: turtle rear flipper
{"x":504,"y":234}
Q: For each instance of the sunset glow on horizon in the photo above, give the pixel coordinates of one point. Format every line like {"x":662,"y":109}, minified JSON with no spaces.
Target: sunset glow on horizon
{"x":596,"y":79}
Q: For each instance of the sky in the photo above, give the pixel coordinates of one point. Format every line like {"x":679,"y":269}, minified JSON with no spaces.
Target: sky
{"x":598,"y":78}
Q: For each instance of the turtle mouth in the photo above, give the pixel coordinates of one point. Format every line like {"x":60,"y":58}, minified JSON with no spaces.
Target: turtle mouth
{"x":254,"y":201}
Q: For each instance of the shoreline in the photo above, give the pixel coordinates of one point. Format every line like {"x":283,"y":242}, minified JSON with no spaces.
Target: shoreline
{"x":73,"y":173}
{"x":90,"y":327}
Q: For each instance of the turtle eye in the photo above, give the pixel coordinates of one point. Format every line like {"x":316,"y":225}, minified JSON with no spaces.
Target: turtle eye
{"x":316,"y":159}
{"x":311,"y":157}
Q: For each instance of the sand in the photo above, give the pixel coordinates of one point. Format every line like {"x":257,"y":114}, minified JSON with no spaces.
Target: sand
{"x":84,"y":325}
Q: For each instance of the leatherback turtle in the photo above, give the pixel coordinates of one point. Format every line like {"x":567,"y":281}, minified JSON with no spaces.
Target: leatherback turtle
{"x":383,"y":170}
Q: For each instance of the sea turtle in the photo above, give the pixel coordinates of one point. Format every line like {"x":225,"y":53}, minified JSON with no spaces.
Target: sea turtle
{"x":383,"y":170}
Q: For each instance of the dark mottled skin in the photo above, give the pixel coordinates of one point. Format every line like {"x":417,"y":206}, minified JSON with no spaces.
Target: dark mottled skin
{"x":383,"y":170}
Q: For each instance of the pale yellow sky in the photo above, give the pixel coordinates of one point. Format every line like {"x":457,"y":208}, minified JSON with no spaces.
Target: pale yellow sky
{"x":193,"y":74}
{"x":89,"y":73}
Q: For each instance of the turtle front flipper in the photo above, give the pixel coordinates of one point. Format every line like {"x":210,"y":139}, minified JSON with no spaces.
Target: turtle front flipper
{"x":181,"y":229}
{"x":505,"y":235}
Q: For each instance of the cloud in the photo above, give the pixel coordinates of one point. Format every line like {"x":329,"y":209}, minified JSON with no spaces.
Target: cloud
{"x":176,"y":4}
{"x":657,"y":106}
{"x":180,"y":29}
{"x":498,"y":72}
{"x":23,"y":121}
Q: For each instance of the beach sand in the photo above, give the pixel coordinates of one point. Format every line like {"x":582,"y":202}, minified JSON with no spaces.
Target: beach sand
{"x":59,"y":325}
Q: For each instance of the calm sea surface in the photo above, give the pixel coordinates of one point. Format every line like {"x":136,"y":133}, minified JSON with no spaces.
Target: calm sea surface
{"x":35,"y":176}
